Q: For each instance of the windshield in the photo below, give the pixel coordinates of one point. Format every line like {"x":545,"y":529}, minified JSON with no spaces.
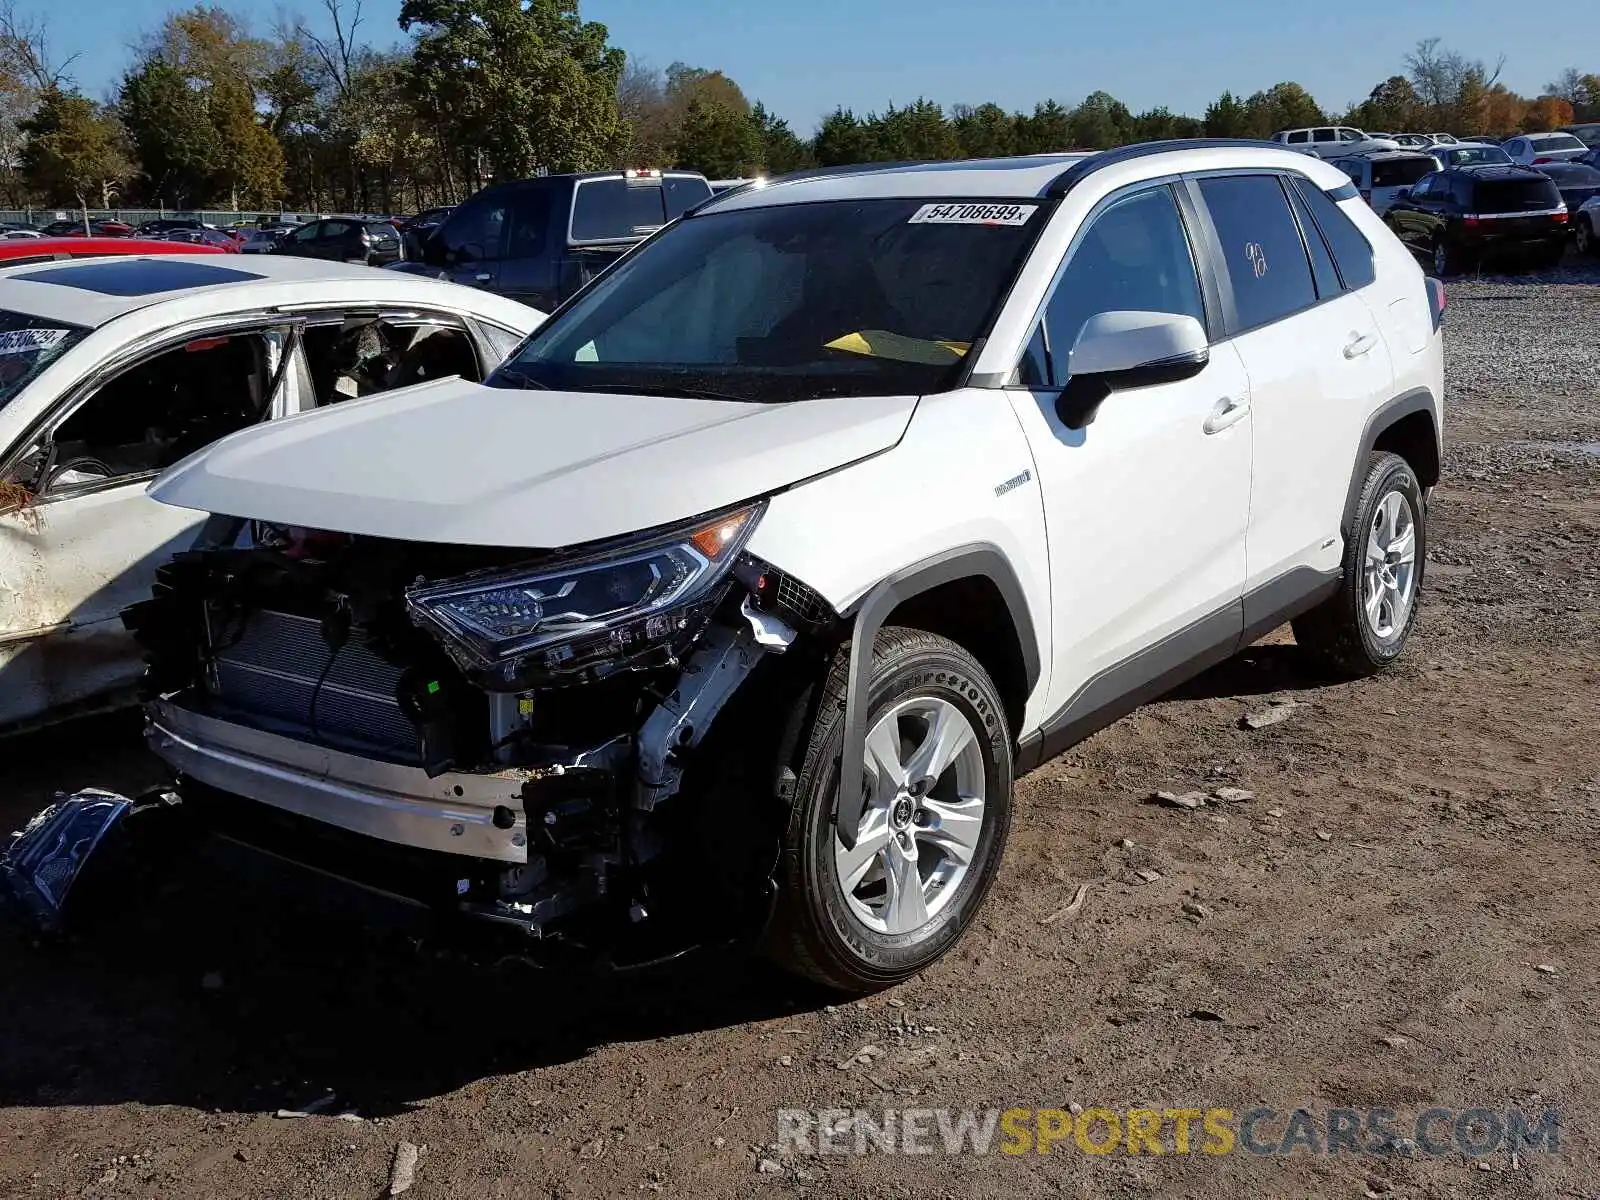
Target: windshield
{"x":790,"y":302}
{"x":29,"y":344}
{"x":1474,"y":154}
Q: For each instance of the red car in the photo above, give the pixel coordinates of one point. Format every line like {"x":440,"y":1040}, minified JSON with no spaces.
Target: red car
{"x":31,"y":250}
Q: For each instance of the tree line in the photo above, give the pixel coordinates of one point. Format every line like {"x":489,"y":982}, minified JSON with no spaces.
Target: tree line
{"x":213,"y":112}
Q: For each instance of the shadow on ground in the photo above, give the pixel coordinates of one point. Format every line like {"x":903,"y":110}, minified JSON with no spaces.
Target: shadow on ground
{"x":314,"y":986}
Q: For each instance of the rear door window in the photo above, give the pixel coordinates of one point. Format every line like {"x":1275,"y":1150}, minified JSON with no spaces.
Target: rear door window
{"x":1298,"y":137}
{"x":1400,"y":172}
{"x":1261,"y":248}
{"x":616,"y":210}
{"x":366,"y":354}
{"x":1351,"y":250}
{"x":530,"y":223}
{"x":1322,"y":268}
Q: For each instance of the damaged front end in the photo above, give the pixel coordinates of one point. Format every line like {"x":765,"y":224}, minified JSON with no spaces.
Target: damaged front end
{"x":485,"y":732}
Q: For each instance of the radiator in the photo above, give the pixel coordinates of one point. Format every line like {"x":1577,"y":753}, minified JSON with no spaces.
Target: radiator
{"x":272,"y":667}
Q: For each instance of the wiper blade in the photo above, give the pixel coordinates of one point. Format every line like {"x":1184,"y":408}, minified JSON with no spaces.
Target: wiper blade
{"x":512,"y":375}
{"x":664,"y":389}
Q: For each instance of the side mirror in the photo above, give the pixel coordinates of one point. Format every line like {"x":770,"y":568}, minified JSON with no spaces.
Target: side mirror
{"x":1127,"y":349}
{"x":1403,"y":194}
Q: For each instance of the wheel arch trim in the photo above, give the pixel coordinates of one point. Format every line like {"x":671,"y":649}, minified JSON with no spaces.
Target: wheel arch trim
{"x":974,"y":560}
{"x":1417,"y":400}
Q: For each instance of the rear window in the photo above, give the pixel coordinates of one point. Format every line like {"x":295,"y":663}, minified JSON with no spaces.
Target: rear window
{"x":1557,"y":141}
{"x":29,"y":344}
{"x":382,"y":231}
{"x":1401,"y":172}
{"x":619,"y":210}
{"x":1515,"y":195}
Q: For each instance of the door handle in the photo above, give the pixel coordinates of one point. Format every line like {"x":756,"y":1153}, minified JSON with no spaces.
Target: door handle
{"x":483,"y":277}
{"x":1359,"y":344}
{"x":1229,"y":411}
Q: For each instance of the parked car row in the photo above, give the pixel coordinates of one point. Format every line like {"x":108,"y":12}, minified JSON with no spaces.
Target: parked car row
{"x":639,"y":628}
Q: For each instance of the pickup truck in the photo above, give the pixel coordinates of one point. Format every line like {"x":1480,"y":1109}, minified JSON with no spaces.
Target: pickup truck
{"x":539,"y":240}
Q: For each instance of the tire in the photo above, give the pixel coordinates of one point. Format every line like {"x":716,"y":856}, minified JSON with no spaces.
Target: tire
{"x":1342,"y":636}
{"x":1447,"y":259}
{"x":1584,"y":237}
{"x":862,"y":941}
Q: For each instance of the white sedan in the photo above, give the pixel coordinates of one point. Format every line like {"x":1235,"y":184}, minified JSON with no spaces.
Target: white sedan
{"x":112,"y":370}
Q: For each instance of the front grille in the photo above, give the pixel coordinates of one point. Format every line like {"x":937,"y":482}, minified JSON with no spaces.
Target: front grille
{"x":279,"y":667}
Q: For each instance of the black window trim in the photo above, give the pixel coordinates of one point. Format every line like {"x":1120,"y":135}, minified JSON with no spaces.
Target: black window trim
{"x":1214,"y":243}
{"x":1338,"y":268}
{"x":1210,"y":297}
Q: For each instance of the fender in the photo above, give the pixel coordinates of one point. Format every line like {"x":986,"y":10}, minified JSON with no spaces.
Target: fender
{"x":979,"y":559}
{"x":1415,"y":401}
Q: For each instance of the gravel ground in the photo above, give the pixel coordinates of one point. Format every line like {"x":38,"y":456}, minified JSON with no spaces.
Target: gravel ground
{"x":1399,"y":918}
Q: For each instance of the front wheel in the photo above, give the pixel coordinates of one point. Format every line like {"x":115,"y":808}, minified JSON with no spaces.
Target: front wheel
{"x":1583,"y":236}
{"x":1365,"y":625}
{"x":930,"y":824}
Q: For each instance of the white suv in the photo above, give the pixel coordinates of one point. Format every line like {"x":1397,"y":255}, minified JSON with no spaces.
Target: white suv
{"x":1333,"y":141}
{"x":737,"y":600}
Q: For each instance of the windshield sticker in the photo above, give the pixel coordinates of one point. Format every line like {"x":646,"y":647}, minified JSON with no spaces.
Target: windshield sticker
{"x":27,"y":341}
{"x":973,"y":214}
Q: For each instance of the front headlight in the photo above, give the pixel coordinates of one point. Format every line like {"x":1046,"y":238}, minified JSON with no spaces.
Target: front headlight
{"x":627,"y":598}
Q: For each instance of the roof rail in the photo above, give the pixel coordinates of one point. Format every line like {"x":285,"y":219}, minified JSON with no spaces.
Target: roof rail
{"x":866,"y":168}
{"x":1081,"y":170}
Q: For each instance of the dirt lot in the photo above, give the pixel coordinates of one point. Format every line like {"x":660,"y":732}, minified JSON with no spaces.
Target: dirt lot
{"x":1419,"y":846}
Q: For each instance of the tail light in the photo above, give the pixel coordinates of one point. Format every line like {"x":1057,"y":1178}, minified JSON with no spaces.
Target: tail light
{"x":1560,"y":217}
{"x":1436,"y":301}
{"x":1470,"y":222}
{"x":1542,"y":159}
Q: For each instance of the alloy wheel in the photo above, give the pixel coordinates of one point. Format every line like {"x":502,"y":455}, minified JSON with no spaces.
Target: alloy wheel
{"x":1441,"y":257}
{"x":1389,"y":578}
{"x":921,"y":819}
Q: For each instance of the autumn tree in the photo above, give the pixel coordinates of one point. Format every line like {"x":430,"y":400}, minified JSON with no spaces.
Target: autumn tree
{"x":171,"y":132}
{"x":1546,"y":113}
{"x":517,"y":84}
{"x":1392,"y":106}
{"x":781,"y":150}
{"x":74,"y":151}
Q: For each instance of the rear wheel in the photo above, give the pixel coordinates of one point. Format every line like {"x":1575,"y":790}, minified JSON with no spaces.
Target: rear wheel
{"x":1364,"y":626}
{"x":1583,"y":237}
{"x":929,"y":827}
{"x":1448,"y":259}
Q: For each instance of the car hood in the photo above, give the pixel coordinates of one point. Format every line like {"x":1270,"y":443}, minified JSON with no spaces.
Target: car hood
{"x":464,"y":464}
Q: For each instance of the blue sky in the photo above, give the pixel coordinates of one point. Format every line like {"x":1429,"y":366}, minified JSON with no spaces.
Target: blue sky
{"x":802,"y":57}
